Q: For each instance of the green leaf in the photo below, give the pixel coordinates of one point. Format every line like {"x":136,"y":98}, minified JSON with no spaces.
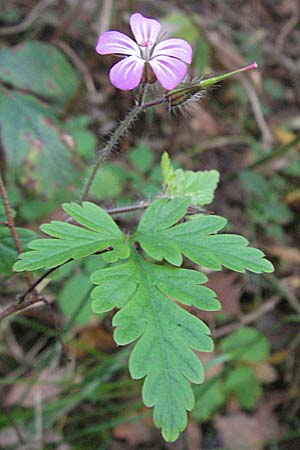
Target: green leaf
{"x":195,"y":239}
{"x":37,"y":149}
{"x":85,"y":140}
{"x":108,"y":183}
{"x":8,"y":249}
{"x":39,"y":68}
{"x":3,"y":216}
{"x":73,"y":242}
{"x":74,"y":298}
{"x":141,"y":157}
{"x":210,"y":396}
{"x":203,"y":55}
{"x":183,"y":26}
{"x":167,"y":333}
{"x":246,"y":344}
{"x":198,"y":186}
{"x":264,"y":202}
{"x":244,"y":384}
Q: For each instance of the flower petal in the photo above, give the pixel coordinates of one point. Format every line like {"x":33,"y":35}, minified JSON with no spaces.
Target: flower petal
{"x":178,"y":48}
{"x":145,"y":30}
{"x":118,"y":43}
{"x":169,"y":71}
{"x":127,"y":73}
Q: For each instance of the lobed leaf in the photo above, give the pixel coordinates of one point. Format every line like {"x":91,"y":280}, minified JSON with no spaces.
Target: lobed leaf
{"x":166,"y":332}
{"x":210,"y":396}
{"x":198,"y":186}
{"x":243,"y":382}
{"x":196,"y":239}
{"x":246,"y":344}
{"x":73,"y":242}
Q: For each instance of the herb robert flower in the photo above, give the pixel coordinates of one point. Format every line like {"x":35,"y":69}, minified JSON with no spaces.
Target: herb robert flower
{"x":147,"y":58}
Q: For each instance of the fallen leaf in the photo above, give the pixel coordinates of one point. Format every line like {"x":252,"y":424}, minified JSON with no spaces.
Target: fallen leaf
{"x":203,"y":121}
{"x":265,"y":372}
{"x":94,"y":336}
{"x":283,"y":136}
{"x":288,"y":254}
{"x":228,"y":291}
{"x":193,"y":436}
{"x":136,"y":432}
{"x":253,"y":430}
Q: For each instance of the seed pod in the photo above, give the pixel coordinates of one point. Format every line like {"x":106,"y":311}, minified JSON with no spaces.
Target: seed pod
{"x":190,"y":90}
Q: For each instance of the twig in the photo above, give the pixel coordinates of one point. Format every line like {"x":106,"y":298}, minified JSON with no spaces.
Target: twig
{"x":288,"y":27}
{"x":257,"y":111}
{"x":11,"y":224}
{"x":14,"y":425}
{"x":272,"y":280}
{"x":229,"y":57}
{"x":128,"y":209}
{"x":248,"y":318}
{"x":79,"y":64}
{"x":23,"y":303}
{"x":12,"y":309}
{"x":67,"y":20}
{"x":105,"y":16}
{"x":29,"y":19}
{"x":277,"y":153}
{"x":39,"y":280}
{"x":57,"y":327}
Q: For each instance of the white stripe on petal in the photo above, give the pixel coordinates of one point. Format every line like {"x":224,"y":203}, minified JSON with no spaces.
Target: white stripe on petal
{"x":144,"y":30}
{"x":178,"y":48}
{"x":114,"y":42}
{"x":127,"y":73}
{"x":169,"y":71}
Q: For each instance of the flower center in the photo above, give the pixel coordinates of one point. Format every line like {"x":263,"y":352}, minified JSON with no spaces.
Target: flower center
{"x":145,"y":43}
{"x":146,"y":49}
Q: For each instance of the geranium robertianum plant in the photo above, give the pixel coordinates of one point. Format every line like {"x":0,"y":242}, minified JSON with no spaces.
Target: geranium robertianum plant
{"x":144,"y":278}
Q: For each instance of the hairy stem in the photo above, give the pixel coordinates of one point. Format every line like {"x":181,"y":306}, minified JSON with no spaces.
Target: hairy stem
{"x":106,"y":151}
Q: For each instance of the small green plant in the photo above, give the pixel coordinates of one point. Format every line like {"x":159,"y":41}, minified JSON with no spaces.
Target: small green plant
{"x":145,"y":278}
{"x":142,"y":273}
{"x":265,"y":204}
{"x":240,"y":352}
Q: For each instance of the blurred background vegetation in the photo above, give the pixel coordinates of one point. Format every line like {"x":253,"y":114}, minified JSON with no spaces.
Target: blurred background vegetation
{"x":64,"y":385}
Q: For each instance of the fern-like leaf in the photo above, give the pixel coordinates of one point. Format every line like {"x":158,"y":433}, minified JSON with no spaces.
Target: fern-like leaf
{"x":196,"y":239}
{"x":167,"y":333}
{"x":73,"y":241}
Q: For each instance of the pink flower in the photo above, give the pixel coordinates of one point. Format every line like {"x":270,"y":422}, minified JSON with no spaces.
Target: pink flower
{"x":167,"y":58}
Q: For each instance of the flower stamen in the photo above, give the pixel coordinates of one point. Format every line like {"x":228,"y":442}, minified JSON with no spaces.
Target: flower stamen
{"x":145,"y":44}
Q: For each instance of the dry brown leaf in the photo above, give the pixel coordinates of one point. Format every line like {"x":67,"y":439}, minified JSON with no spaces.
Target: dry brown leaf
{"x":94,"y":336}
{"x":204,"y":122}
{"x":135,"y":433}
{"x":288,"y":254}
{"x":193,"y":436}
{"x":283,"y":136}
{"x":228,"y":291}
{"x":241,"y":431}
{"x":265,"y":372}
